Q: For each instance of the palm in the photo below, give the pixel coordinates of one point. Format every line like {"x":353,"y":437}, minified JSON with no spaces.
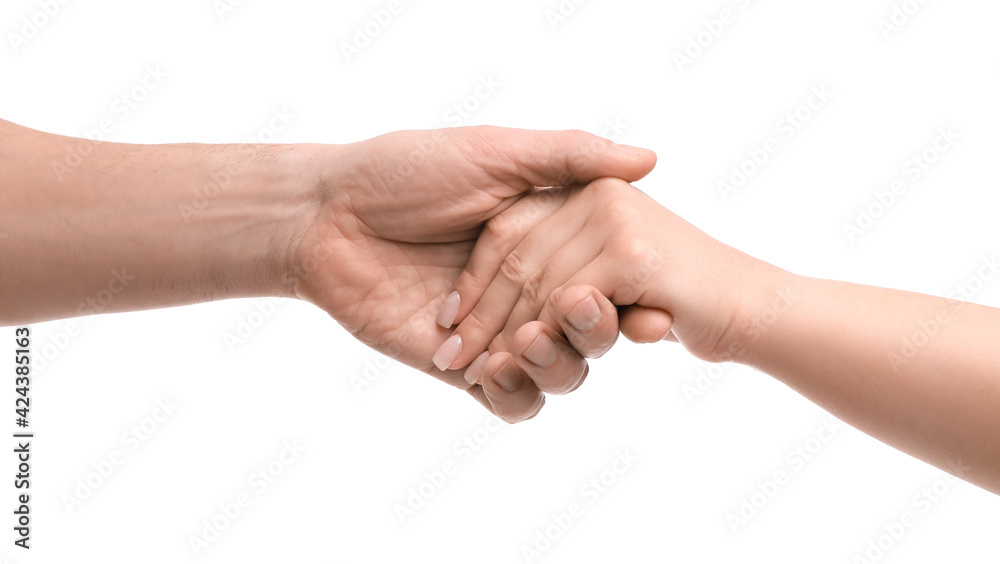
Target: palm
{"x":391,"y":305}
{"x":397,"y":244}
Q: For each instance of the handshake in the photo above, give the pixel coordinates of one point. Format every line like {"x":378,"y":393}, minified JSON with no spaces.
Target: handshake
{"x":499,"y":260}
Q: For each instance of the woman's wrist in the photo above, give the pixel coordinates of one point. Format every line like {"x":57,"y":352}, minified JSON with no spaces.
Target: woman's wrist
{"x":760,"y":295}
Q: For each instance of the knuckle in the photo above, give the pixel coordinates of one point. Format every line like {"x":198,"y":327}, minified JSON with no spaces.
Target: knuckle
{"x":578,"y":137}
{"x":566,"y":178}
{"x":514,"y":268}
{"x":561,"y":387}
{"x":542,"y":203}
{"x":622,"y":212}
{"x":469,"y":285}
{"x":474,"y":324}
{"x":519,"y":413}
{"x":532,"y":290}
{"x":552,"y":304}
{"x":587,"y":143}
{"x":564,"y":385}
{"x":615,"y":193}
{"x":632,"y":251}
{"x":564,"y":377}
{"x":533,"y":410}
{"x":554,"y":309}
{"x":599,"y":347}
{"x":501,"y":227}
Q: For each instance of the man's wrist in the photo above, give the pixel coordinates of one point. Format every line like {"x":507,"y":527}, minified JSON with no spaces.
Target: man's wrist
{"x":302,"y":178}
{"x":268,"y":198}
{"x":322,"y":180}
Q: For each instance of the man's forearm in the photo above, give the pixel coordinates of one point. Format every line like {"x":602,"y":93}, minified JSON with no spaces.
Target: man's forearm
{"x":124,"y":227}
{"x":918,"y":372}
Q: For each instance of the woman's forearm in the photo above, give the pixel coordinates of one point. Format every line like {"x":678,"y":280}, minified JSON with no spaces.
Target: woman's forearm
{"x":920,"y":373}
{"x":93,"y":227}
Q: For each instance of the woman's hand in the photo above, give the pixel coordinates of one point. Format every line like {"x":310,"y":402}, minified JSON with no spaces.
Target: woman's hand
{"x":527,"y":288}
{"x":849,"y":348}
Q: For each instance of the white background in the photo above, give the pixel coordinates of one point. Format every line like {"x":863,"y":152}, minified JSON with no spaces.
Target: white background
{"x":365,"y":448}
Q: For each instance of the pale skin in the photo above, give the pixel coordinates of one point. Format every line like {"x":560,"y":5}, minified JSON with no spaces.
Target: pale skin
{"x":372,"y":232}
{"x":841,"y":345}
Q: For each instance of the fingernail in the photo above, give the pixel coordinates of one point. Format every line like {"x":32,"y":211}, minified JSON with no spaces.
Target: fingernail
{"x":448,"y":352}
{"x":449,"y":310}
{"x":475,"y":370}
{"x":630,"y":150}
{"x":585,"y":315}
{"x":508,"y":377}
{"x":541,"y":352}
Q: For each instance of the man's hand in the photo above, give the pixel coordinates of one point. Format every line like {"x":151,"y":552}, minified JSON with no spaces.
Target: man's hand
{"x":399,"y":216}
{"x":372,"y":232}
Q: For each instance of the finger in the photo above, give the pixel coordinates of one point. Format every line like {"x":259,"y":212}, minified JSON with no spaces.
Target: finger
{"x":536,"y":263}
{"x":564,"y":263}
{"x":499,"y":237}
{"x":586,"y":317}
{"x":474,"y":372}
{"x":558,"y":158}
{"x":645,"y":324}
{"x":506,"y":306}
{"x":513,"y":396}
{"x":548,"y":359}
{"x":603,"y":282}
